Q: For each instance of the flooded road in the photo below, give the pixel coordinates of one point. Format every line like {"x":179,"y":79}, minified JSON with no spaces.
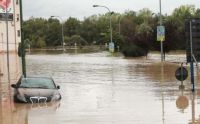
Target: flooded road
{"x":97,"y":88}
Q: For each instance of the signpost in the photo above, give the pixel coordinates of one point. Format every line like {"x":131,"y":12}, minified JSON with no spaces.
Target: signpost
{"x":22,"y":42}
{"x":192,"y":29}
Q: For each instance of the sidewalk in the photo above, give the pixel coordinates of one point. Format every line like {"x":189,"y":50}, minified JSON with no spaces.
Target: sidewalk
{"x":15,"y":68}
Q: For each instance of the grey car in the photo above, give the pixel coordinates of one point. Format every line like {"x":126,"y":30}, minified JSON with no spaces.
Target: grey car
{"x":36,"y":90}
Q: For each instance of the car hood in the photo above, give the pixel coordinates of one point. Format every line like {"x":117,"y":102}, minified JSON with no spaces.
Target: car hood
{"x":31,"y":95}
{"x":37,"y":92}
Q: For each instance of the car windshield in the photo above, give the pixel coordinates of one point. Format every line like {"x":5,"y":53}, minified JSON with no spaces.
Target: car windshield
{"x":44,"y":83}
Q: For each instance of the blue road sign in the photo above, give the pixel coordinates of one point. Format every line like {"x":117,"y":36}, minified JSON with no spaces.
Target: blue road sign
{"x":160,"y":33}
{"x":111,"y":47}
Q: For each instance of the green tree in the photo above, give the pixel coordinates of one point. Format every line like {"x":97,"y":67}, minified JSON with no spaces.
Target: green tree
{"x":71,"y":27}
{"x":89,"y":30}
{"x":175,"y":27}
{"x":137,"y":35}
{"x":34,"y":29}
{"x":53,"y":35}
{"x":78,"y":40}
{"x":67,"y":41}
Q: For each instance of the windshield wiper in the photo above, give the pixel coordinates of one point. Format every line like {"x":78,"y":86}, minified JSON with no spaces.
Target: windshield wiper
{"x":24,"y":87}
{"x":41,"y":87}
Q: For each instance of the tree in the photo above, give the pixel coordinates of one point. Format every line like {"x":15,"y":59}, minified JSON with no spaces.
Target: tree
{"x":137,"y":31}
{"x":34,"y":29}
{"x":182,"y":13}
{"x":176,"y":26}
{"x":78,"y":40}
{"x":89,"y":30}
{"x":144,"y":32}
{"x":53,"y":35}
{"x":71,"y":27}
{"x":197,"y":13}
{"x":136,"y":38}
{"x":67,"y":41}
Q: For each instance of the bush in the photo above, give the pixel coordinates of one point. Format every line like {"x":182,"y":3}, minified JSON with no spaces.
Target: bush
{"x":131,"y":50}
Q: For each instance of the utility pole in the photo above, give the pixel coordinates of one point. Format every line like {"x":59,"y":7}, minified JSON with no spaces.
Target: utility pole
{"x":161,"y":42}
{"x":191,"y":58}
{"x":111,"y":32}
{"x":23,"y":52}
{"x":7,"y":38}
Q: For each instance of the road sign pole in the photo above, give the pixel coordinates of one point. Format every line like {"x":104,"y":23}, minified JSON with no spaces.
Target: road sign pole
{"x":161,"y":48}
{"x":191,"y":59}
{"x":161,"y":43}
{"x":192,"y":75}
{"x":7,"y":38}
{"x":22,"y":42}
{"x":181,"y":74}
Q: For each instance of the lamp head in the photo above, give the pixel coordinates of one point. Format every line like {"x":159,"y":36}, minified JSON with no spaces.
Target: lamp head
{"x":95,"y":5}
{"x":112,"y":13}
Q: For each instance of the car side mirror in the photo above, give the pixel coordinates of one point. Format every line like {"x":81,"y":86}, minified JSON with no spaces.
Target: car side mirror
{"x":58,"y":87}
{"x":14,"y":86}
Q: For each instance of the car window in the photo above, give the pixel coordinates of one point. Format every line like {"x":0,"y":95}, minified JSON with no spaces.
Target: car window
{"x":45,"y":83}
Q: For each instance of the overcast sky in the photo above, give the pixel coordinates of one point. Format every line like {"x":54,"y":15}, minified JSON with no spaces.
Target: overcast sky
{"x":83,"y":8}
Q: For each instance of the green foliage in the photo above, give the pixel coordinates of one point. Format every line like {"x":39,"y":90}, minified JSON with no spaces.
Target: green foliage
{"x":53,"y":35}
{"x":75,"y":39}
{"x":134,"y":32}
{"x":34,"y":29}
{"x":90,"y":30}
{"x":40,"y":42}
{"x":71,"y":26}
{"x":67,"y":40}
{"x":78,"y":40}
{"x":132,"y":50}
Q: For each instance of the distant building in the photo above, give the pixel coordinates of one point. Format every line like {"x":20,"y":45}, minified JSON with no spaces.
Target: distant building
{"x":14,"y":28}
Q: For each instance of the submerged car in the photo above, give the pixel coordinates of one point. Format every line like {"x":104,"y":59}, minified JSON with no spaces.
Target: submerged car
{"x":36,"y":90}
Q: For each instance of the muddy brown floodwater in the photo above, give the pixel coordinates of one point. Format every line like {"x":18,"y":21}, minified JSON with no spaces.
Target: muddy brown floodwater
{"x":97,"y":88}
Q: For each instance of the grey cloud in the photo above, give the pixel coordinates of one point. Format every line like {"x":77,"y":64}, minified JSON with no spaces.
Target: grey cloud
{"x":83,"y":8}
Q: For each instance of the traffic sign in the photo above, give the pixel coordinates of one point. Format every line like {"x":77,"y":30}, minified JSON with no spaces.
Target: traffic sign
{"x":160,"y":33}
{"x":181,"y":74}
{"x":112,"y":47}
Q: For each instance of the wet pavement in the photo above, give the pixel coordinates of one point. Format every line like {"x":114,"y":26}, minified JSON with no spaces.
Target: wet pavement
{"x":97,"y":88}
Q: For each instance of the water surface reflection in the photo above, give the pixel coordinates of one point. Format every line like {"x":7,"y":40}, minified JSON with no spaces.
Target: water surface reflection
{"x":100,"y":89}
{"x":7,"y":113}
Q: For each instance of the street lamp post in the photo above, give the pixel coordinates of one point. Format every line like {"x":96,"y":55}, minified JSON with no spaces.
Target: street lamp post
{"x":62,"y":30}
{"x":120,"y":18}
{"x":161,"y":42}
{"x":111,"y":39}
{"x":23,"y":51}
{"x":7,"y":38}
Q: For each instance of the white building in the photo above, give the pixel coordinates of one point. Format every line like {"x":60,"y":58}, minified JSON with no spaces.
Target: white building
{"x":14,"y":38}
{"x":14,"y":32}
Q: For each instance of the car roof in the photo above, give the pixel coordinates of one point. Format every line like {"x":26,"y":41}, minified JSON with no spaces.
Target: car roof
{"x":36,"y":77}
